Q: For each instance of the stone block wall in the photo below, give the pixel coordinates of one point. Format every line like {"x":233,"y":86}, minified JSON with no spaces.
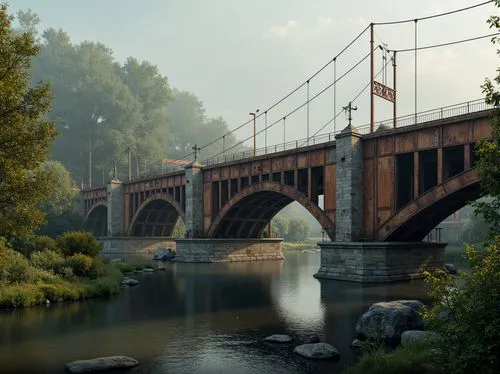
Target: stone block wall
{"x":194,"y":200}
{"x":228,"y":250}
{"x":116,"y":208}
{"x":349,"y":186}
{"x":135,"y":245}
{"x":378,"y":261}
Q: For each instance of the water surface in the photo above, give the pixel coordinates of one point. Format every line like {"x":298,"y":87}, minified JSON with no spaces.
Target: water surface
{"x":200,"y":318}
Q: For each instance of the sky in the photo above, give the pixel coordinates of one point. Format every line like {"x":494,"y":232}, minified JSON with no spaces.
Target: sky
{"x":237,"y":56}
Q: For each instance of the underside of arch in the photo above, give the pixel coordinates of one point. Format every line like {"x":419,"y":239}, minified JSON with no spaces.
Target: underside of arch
{"x":157,"y":217}
{"x":97,"y":220}
{"x":416,"y":220}
{"x":248,"y":213}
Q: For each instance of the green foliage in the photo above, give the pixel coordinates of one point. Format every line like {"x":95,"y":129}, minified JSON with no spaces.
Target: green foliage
{"x":298,"y":229}
{"x":63,"y":191}
{"x":488,"y":151}
{"x":80,"y":264}
{"x":279,"y":226}
{"x":59,"y":224}
{"x":15,"y":268}
{"x":82,"y":242}
{"x":25,"y":135}
{"x":21,"y":295}
{"x":476,"y":230}
{"x":179,"y":230}
{"x":48,"y":260}
{"x":466,"y":314}
{"x":29,"y":244}
{"x":408,"y":360}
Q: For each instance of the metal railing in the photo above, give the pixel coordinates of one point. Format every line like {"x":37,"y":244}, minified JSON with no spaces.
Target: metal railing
{"x":407,"y":120}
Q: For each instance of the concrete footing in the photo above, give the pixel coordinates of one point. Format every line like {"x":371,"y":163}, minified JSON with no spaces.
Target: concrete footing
{"x":228,"y":250}
{"x":134,"y":245}
{"x":378,"y":261}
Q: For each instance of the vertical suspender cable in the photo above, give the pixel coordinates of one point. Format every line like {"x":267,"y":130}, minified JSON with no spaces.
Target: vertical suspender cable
{"x":334,"y":95}
{"x":416,"y":71}
{"x":372,"y":72}
{"x":284,"y":132}
{"x":307,"y":112}
{"x":265,"y":132}
{"x":395,"y":89}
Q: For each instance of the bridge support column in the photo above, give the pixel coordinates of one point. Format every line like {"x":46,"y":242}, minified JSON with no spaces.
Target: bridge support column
{"x":349,"y":185}
{"x":194,"y":200}
{"x":115,"y":208}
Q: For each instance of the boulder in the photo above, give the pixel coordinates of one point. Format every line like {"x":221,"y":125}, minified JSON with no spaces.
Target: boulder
{"x":164,"y":254}
{"x":148,"y":270}
{"x":129,"y":282}
{"x":317,"y":351}
{"x":410,"y":337}
{"x":278,"y":338}
{"x":387,"y":320}
{"x":101,"y":364}
{"x":313,"y":339}
{"x":356,"y":345}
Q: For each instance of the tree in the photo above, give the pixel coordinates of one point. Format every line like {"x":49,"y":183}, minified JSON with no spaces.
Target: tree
{"x":488,"y":166}
{"x":279,"y":226}
{"x":24,"y":135}
{"x":298,"y":229}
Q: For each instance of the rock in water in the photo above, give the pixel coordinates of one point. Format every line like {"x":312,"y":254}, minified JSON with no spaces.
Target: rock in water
{"x":278,"y":338}
{"x":450,"y":269}
{"x":148,"y":270}
{"x":129,"y":282}
{"x":164,"y":254}
{"x":317,"y":351}
{"x":387,"y":320}
{"x":101,"y":364}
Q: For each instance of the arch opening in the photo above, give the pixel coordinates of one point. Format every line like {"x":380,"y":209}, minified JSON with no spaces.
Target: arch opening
{"x":419,"y":225}
{"x":248,"y":214}
{"x":157,"y":217}
{"x":97,"y":221}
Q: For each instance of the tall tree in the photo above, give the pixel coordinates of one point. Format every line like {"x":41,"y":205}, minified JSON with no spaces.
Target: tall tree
{"x":488,"y":166}
{"x":24,"y":135}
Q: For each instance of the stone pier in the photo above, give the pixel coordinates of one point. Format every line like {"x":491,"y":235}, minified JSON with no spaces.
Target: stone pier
{"x":228,"y":250}
{"x":121,"y":245}
{"x":378,"y":261}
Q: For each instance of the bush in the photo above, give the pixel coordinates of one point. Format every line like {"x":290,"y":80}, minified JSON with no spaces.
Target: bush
{"x":80,"y":264}
{"x":298,"y":230}
{"x":15,"y":268}
{"x":29,"y":244}
{"x":47,"y":260}
{"x":14,"y":296}
{"x":82,"y":242}
{"x":465,"y":313}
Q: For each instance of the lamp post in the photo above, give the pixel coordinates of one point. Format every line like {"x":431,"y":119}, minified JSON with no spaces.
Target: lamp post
{"x":254,"y":143}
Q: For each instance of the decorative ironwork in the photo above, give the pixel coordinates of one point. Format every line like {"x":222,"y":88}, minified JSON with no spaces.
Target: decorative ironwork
{"x":384,"y":92}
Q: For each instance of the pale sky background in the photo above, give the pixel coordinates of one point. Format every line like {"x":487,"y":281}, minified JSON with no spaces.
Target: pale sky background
{"x":240,"y":55}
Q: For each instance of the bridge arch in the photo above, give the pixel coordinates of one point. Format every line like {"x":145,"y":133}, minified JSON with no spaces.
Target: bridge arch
{"x":96,"y":220}
{"x":414,"y":221}
{"x":247,"y":213}
{"x":156,"y":216}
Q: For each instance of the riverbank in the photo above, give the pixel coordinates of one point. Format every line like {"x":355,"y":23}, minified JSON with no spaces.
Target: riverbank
{"x":297,"y":246}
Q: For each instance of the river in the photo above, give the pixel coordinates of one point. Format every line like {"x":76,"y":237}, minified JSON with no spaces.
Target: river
{"x":200,"y":318}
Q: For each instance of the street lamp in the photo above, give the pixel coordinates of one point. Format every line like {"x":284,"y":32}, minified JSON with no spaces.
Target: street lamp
{"x":254,"y":144}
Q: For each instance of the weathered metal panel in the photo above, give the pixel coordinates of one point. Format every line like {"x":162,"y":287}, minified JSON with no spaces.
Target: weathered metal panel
{"x":317,"y":157}
{"x":244,"y":170}
{"x":290,"y":162}
{"x":385,"y":182}
{"x":331,"y":155}
{"x":369,"y":148}
{"x":207,"y":176}
{"x":225,"y":173}
{"x":428,"y":138}
{"x":302,"y":160}
{"x":207,"y":206}
{"x":277,"y":163}
{"x":215,"y":174}
{"x":235,"y":171}
{"x":368,"y":196}
{"x":385,"y":146}
{"x":455,"y":134}
{"x":406,"y":142}
{"x":481,"y":129}
{"x":330,"y":189}
{"x":383,"y":214}
{"x":256,"y":168}
{"x":266,"y":166}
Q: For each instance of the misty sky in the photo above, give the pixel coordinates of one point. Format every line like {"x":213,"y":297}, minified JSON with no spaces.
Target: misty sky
{"x":240,"y":55}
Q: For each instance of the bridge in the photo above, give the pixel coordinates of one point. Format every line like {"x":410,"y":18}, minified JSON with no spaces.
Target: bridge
{"x":390,"y":186}
{"x":377,"y":190}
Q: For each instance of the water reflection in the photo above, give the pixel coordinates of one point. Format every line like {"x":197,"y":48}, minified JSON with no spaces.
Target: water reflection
{"x":199,"y":318}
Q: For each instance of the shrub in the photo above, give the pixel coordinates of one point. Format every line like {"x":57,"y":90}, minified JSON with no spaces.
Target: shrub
{"x":15,"y":268}
{"x":82,"y":242}
{"x":29,"y":244}
{"x":471,"y":329}
{"x":48,"y":260}
{"x":80,"y":264}
{"x":16,"y":295}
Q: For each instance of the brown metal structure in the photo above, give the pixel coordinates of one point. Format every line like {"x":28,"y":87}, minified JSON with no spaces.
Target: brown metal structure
{"x":413,"y":178}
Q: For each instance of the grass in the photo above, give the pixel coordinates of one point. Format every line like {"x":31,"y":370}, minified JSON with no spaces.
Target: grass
{"x":308,"y":244}
{"x":403,"y":360}
{"x":58,"y":289}
{"x":129,"y":268}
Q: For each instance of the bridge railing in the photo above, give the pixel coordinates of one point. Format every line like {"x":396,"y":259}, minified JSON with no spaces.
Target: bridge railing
{"x":408,"y":120}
